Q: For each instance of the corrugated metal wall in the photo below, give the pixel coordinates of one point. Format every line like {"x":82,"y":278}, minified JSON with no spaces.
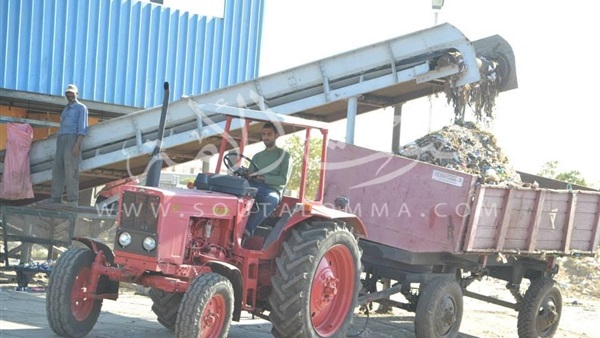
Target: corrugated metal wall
{"x":121,"y":52}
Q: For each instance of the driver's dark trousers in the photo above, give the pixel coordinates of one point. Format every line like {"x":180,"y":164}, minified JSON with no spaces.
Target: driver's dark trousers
{"x":265,"y":202}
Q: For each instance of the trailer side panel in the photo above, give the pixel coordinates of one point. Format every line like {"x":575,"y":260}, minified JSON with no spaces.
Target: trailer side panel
{"x":404,"y":203}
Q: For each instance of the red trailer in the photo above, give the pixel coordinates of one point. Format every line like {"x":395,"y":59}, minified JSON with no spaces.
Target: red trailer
{"x":441,"y":229}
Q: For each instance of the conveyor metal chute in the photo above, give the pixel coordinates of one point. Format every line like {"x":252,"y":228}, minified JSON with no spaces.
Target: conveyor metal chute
{"x":379,"y":75}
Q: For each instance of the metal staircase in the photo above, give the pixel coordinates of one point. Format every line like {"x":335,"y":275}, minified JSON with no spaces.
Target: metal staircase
{"x":376,"y":76}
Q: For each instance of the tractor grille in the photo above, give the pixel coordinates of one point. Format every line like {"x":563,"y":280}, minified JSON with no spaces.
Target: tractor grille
{"x":139,"y":211}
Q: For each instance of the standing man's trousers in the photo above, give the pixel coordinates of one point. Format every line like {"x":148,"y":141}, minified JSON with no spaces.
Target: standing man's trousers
{"x":65,"y":170}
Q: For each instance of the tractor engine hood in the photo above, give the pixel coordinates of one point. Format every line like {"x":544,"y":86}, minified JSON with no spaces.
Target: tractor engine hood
{"x":180,"y":203}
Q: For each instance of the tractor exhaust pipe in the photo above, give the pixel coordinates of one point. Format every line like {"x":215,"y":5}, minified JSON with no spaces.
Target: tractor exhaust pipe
{"x":156,"y":161}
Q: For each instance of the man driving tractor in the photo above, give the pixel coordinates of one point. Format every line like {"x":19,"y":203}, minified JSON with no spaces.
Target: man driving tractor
{"x":269,"y":176}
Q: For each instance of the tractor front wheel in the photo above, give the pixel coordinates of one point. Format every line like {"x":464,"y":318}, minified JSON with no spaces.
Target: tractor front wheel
{"x":206,"y":308}
{"x":70,"y":310}
{"x":165,"y":305}
{"x":316,"y":283}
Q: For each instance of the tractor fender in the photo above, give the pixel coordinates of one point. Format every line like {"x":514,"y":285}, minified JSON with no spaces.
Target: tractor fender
{"x":318,"y":211}
{"x":352,"y":222}
{"x":334,"y":214}
{"x":96,"y":246}
{"x":105,"y":285}
{"x":234,"y":275}
{"x":356,"y":224}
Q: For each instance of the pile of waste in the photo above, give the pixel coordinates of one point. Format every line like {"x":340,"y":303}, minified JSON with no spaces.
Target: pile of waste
{"x":465,"y":148}
{"x":578,"y":275}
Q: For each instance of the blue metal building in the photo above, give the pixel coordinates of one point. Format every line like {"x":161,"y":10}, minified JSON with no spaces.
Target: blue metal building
{"x":120,"y":52}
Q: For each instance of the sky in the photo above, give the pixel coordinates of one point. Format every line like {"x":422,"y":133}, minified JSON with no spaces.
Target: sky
{"x":552,"y":116}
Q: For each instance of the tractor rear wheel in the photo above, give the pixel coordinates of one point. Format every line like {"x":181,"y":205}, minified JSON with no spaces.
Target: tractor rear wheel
{"x":206,"y":308}
{"x":540,"y":310}
{"x":439,"y":309}
{"x":70,"y":310}
{"x":316,"y":283}
{"x":165,"y":306}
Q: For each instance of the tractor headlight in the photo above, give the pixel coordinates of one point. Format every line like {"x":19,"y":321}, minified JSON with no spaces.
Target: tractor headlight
{"x":149,"y":244}
{"x":124,"y":239}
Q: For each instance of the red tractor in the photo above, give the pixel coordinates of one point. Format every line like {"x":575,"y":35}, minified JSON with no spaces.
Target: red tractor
{"x":301,"y":269}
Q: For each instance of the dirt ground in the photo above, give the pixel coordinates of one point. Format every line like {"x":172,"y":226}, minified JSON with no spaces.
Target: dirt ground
{"x":23,"y":315}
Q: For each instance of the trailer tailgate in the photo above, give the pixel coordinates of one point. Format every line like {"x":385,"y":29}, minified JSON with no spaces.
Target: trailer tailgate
{"x":518,"y":220}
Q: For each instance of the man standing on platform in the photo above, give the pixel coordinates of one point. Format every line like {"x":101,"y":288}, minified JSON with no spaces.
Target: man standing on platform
{"x":73,"y":127}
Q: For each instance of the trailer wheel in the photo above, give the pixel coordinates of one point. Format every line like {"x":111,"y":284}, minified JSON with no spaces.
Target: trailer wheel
{"x":165,"y":306}
{"x":316,"y":283}
{"x":439,"y":309}
{"x":206,"y":308}
{"x":540,"y":310}
{"x":69,"y":309}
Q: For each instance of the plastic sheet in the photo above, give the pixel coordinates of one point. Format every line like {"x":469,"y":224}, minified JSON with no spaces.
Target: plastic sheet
{"x":16,"y":178}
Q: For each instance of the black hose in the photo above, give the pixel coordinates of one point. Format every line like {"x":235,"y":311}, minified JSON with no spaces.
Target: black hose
{"x":359,"y":333}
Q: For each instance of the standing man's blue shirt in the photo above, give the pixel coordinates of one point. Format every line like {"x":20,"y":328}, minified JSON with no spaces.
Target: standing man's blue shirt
{"x":74,"y":119}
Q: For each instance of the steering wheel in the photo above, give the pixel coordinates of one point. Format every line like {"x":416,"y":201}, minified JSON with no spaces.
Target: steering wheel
{"x":241,"y":170}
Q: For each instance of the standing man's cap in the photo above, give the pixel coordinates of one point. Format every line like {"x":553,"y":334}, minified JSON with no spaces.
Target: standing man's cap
{"x":71,"y":88}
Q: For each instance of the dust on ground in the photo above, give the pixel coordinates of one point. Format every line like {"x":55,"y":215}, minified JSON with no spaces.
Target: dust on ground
{"x":22,"y":314}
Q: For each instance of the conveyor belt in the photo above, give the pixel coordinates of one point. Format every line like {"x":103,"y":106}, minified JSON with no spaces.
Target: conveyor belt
{"x":380,"y":75}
